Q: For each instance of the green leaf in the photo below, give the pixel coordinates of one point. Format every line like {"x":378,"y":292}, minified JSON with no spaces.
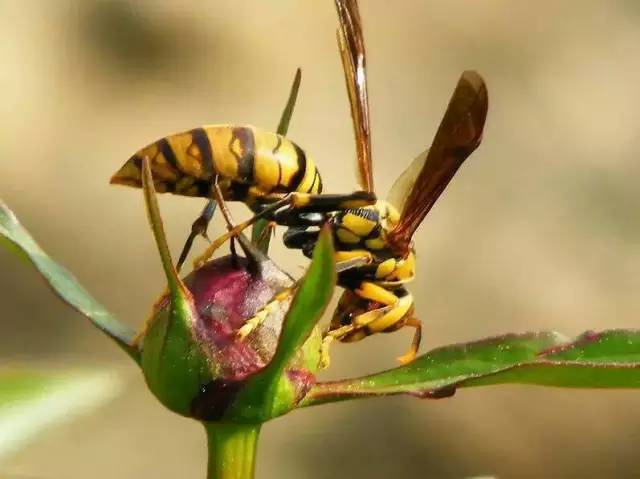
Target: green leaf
{"x":260,"y":235}
{"x":609,"y":359}
{"x":311,"y":298}
{"x":63,"y":283}
{"x":31,"y":401}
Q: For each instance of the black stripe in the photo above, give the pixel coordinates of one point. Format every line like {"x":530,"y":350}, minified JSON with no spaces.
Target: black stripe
{"x":278,"y":145}
{"x":137,"y":161}
{"x":298,"y":177}
{"x":247,"y":145}
{"x":238,"y":191}
{"x":319,"y":181}
{"x":165,"y":148}
{"x":279,"y":174}
{"x":313,"y":183}
{"x":204,"y":188}
{"x":200,"y":138}
{"x":275,"y":152}
{"x":376,"y":232}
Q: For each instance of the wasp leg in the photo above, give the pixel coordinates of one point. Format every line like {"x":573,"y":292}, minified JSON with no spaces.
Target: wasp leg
{"x":252,"y":323}
{"x":410,"y":355}
{"x":396,"y":314}
{"x":325,"y":357}
{"x":198,"y":228}
{"x":392,"y":318}
{"x":374,"y":292}
{"x":354,"y":331}
{"x":251,"y":251}
{"x":338,"y":334}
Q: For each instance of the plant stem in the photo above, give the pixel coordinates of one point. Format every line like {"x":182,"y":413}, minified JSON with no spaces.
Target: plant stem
{"x":232,"y":450}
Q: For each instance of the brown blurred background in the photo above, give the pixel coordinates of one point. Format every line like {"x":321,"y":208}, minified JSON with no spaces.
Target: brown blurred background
{"x":539,"y":231}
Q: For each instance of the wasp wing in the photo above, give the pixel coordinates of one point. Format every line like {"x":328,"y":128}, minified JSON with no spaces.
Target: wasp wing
{"x":458,"y":135}
{"x":351,"y":45}
{"x":401,"y":188}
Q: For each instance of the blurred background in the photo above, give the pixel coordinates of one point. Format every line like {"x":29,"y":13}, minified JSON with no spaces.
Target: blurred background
{"x":540,"y":230}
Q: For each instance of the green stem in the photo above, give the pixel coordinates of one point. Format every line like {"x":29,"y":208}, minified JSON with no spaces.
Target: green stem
{"x":232,"y":450}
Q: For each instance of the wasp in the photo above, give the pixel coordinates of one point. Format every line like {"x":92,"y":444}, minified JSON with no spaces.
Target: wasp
{"x":380,"y":235}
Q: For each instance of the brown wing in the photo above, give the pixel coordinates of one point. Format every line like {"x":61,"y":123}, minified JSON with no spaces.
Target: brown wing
{"x":457,"y":137}
{"x":351,"y":45}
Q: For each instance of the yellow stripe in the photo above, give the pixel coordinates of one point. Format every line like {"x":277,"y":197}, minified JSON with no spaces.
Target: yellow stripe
{"x":347,"y":237}
{"x":406,"y":268}
{"x":265,"y":167}
{"x":309,"y":176}
{"x":287,"y":158}
{"x":376,"y":293}
{"x":188,"y":156}
{"x":375,"y":243}
{"x":357,"y":224}
{"x":220,"y":140}
{"x":385,"y":268}
{"x":160,"y":167}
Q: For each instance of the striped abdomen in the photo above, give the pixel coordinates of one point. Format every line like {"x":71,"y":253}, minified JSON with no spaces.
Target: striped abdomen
{"x":251,"y":164}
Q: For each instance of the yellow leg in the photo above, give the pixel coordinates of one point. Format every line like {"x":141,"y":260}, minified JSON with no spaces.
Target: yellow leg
{"x":410,"y":355}
{"x":329,"y":337}
{"x":251,"y":324}
{"x":373,"y":292}
{"x":325,"y":358}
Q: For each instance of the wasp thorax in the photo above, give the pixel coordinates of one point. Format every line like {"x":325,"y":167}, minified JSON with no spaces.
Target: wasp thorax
{"x":197,"y":352}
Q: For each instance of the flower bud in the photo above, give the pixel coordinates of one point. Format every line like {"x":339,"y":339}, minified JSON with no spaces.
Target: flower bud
{"x":193,"y":357}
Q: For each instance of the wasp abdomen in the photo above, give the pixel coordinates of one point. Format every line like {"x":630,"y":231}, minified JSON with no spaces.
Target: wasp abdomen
{"x":250,"y":163}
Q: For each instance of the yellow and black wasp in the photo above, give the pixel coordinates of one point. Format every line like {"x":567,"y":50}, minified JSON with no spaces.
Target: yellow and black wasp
{"x":378,"y":236}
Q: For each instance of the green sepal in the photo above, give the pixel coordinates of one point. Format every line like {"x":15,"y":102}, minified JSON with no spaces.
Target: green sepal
{"x":174,"y":365}
{"x":273,"y":392}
